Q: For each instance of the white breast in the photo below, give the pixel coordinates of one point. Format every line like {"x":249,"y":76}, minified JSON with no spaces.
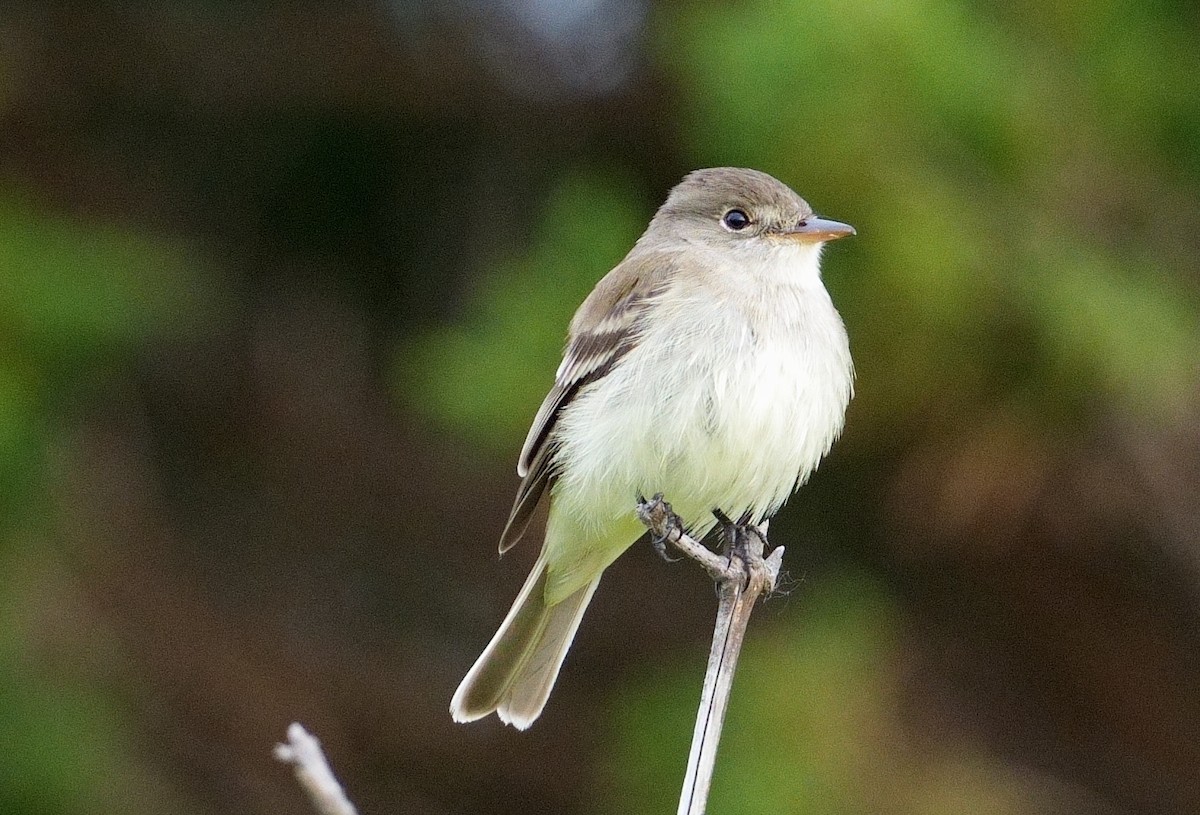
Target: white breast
{"x":736,"y":390}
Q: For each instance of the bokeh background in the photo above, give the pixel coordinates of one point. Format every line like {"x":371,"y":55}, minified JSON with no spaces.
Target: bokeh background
{"x":282,"y":285}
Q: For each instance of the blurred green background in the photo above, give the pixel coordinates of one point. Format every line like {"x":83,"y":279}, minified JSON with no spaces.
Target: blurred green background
{"x":281,"y":287}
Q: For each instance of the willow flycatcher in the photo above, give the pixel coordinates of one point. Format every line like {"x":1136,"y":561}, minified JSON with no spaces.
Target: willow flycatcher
{"x":710,"y":366}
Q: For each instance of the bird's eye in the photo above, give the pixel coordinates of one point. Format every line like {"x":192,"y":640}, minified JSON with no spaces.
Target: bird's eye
{"x":736,"y":220}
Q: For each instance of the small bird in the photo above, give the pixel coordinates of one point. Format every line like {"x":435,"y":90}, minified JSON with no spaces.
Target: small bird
{"x":710,"y":366}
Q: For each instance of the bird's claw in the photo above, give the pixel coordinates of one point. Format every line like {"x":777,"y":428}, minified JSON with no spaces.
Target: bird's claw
{"x":746,"y":542}
{"x":663,"y":523}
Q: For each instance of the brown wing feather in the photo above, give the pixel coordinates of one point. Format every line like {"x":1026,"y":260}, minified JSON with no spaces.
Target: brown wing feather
{"x":528,"y":494}
{"x":603,"y":331}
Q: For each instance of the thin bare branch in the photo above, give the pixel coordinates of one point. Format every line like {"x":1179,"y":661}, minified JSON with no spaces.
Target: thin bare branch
{"x":303,"y":752}
{"x":741,"y":579}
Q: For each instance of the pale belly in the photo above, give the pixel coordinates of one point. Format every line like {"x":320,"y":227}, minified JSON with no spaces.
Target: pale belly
{"x":736,"y":437}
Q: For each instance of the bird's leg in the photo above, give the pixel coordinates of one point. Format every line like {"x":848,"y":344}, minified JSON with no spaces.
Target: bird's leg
{"x":744,"y":545}
{"x":761,"y":570}
{"x":666,"y":527}
{"x":663,"y":523}
{"x":742,"y":566}
{"x":728,"y":531}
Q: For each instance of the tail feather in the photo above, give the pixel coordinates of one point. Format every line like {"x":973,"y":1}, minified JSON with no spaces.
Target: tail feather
{"x":516,"y":672}
{"x":531,"y":687}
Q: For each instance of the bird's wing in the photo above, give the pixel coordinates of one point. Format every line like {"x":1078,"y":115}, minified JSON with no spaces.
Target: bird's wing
{"x":604,"y":329}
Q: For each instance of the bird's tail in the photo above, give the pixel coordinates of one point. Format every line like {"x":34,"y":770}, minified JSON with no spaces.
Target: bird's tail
{"x":516,"y":672}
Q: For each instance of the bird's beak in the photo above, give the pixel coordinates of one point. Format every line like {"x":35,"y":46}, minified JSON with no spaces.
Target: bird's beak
{"x":819,"y":230}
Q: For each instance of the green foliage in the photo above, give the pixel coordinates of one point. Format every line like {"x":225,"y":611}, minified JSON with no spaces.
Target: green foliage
{"x":73,"y":298}
{"x":486,"y":375}
{"x":1130,"y":329}
{"x":21,"y":438}
{"x":60,"y":743}
{"x":71,"y":291}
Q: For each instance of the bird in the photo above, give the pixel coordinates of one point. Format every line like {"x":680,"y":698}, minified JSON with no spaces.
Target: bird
{"x":709,"y":366}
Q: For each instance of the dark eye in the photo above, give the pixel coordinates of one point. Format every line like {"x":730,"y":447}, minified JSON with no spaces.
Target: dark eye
{"x":736,"y":220}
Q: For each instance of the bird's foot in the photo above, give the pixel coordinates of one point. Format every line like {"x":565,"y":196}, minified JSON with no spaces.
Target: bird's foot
{"x":744,"y":547}
{"x":728,"y":531}
{"x":664,"y":525}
